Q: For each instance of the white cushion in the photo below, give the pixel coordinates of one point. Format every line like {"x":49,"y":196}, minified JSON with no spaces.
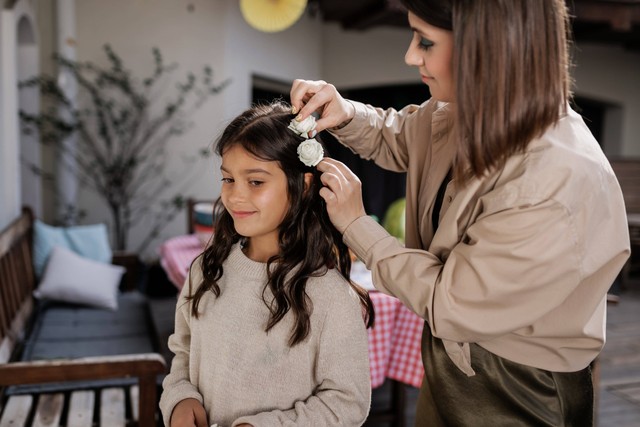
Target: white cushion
{"x":71,"y":278}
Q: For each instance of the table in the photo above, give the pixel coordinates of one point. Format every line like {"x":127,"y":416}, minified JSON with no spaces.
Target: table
{"x":394,"y":342}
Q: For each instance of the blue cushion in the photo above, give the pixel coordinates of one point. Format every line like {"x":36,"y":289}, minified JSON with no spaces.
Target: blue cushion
{"x":89,"y":241}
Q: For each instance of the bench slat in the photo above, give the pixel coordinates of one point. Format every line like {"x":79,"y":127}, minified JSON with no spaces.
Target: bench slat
{"x":81,"y":409}
{"x":16,"y":411}
{"x":49,"y":410}
{"x":134,"y":397}
{"x":112,"y":407}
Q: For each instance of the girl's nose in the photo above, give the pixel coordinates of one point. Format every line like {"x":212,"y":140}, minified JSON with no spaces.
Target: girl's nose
{"x":235,"y":194}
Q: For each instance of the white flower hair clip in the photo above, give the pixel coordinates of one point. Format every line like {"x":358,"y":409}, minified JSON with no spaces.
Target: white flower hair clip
{"x":305,"y":128}
{"x":310,"y":151}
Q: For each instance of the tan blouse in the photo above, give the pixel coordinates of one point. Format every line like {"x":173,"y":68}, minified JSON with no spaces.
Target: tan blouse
{"x":522,"y":259}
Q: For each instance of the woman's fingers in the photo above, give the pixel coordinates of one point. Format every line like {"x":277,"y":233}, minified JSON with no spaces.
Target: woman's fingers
{"x":309,"y":96}
{"x":334,"y":176}
{"x":342,"y":193}
{"x":301,"y":92}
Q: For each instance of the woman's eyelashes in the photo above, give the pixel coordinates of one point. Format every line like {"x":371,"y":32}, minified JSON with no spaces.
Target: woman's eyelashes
{"x":424,"y":43}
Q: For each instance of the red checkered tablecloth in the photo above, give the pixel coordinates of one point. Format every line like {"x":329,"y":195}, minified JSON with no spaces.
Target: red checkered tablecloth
{"x":176,"y":255}
{"x":394,"y":342}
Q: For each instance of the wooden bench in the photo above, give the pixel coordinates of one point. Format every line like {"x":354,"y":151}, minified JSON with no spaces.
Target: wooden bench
{"x":628,"y":173}
{"x":128,"y":392}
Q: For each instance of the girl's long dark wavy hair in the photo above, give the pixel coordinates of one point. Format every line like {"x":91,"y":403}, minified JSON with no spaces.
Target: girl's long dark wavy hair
{"x":309,"y":243}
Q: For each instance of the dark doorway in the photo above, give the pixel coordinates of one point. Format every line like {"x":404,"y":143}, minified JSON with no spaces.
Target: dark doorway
{"x":380,"y":187}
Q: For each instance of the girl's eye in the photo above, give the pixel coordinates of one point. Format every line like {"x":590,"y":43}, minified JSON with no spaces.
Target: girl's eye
{"x":424,"y":43}
{"x":255,"y":183}
{"x":227,"y":180}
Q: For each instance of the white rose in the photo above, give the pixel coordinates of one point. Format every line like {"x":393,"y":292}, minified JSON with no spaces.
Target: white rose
{"x":303,"y":128}
{"x":310,"y":152}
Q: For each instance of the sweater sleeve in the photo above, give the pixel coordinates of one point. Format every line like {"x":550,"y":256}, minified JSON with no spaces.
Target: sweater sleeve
{"x":177,"y":385}
{"x":343,"y":395}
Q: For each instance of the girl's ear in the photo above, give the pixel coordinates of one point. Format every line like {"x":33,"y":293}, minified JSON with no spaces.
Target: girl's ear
{"x":308,"y":180}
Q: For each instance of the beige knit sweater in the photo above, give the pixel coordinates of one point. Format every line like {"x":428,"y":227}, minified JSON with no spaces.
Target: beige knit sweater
{"x":242,"y":374}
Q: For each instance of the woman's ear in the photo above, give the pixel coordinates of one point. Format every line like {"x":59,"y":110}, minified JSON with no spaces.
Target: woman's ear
{"x":308,"y":180}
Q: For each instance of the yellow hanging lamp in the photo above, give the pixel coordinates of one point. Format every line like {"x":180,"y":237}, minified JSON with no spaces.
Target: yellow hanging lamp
{"x":272,"y":16}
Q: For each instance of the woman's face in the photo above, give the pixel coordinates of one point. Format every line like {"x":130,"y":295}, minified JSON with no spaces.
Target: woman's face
{"x":254,"y":192}
{"x":431,"y":50}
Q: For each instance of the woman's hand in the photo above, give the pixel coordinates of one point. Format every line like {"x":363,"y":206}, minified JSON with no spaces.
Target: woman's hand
{"x":189,"y":413}
{"x":342,"y":193}
{"x":308,"y":96}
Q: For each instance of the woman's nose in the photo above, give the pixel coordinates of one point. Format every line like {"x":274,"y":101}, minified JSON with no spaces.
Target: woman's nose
{"x":413,"y":57}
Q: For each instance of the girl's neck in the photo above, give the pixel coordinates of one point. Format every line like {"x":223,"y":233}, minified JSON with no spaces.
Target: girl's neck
{"x":259,"y":250}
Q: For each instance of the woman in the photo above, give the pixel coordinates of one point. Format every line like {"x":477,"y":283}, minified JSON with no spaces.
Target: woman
{"x":515,"y":223}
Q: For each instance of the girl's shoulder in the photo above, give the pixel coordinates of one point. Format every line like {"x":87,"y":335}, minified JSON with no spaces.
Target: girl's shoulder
{"x":331,"y":288}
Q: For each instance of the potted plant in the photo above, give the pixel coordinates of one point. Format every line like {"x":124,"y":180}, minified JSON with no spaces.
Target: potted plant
{"x":122,"y":129}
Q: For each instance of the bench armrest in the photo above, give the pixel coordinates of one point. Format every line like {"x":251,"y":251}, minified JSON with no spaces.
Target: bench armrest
{"x":145,"y":367}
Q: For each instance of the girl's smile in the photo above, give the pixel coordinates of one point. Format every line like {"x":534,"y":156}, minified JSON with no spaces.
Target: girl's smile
{"x":241,"y":214}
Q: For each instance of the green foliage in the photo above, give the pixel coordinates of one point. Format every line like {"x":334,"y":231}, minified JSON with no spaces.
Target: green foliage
{"x":123,"y":127}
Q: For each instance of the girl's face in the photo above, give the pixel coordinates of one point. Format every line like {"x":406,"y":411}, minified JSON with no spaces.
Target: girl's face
{"x":431,"y":50}
{"x":254,"y":192}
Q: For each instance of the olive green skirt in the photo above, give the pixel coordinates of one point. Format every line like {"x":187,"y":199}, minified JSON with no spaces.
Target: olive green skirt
{"x":502,"y":393}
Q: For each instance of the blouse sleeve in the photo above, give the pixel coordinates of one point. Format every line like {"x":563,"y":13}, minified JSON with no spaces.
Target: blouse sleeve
{"x":513,"y":266}
{"x":382,"y":135}
{"x":343,"y":395}
{"x":176,"y":385}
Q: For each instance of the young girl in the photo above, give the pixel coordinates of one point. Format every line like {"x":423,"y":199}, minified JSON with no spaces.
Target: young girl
{"x":269,"y":330}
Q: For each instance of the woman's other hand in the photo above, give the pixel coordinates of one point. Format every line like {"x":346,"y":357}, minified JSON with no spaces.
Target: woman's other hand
{"x":308,"y":96}
{"x":342,"y":193}
{"x":189,"y":413}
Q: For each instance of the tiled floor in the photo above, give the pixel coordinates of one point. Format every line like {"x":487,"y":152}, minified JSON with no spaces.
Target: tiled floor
{"x":619,"y":397}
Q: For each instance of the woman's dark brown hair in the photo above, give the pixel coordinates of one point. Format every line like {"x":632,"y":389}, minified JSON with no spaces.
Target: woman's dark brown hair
{"x":309,"y":243}
{"x":511,"y":70}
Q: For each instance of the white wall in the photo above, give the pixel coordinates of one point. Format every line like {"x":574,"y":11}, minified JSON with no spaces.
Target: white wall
{"x":29,"y":101}
{"x":284,"y":56}
{"x":213,"y":33}
{"x":10,"y":180}
{"x":9,"y":149}
{"x":354,"y":59}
